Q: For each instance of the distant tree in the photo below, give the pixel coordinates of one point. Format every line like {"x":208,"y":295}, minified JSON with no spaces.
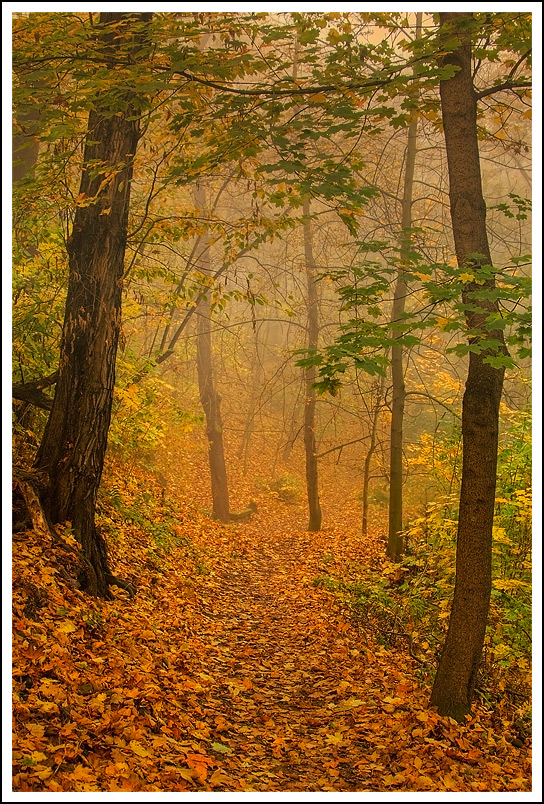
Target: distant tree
{"x":312,"y":487}
{"x":209,"y":395}
{"x":395,"y":546}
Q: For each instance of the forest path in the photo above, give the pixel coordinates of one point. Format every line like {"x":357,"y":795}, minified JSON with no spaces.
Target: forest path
{"x":294,"y":689}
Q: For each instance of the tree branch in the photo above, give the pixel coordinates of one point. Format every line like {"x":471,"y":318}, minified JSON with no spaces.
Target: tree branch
{"x":500,"y":87}
{"x":434,"y":399}
{"x":341,"y":446}
{"x":276,"y":93}
{"x":31,"y":391}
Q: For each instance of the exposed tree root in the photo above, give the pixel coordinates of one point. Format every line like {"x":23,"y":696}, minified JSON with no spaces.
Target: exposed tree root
{"x":30,"y":484}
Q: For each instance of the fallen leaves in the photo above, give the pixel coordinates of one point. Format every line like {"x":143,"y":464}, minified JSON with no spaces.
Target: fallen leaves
{"x":247,"y":678}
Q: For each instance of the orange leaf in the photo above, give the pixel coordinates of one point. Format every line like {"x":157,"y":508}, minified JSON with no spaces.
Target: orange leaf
{"x":82,"y":774}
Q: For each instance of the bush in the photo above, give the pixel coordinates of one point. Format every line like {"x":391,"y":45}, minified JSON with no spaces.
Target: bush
{"x":286,"y":488}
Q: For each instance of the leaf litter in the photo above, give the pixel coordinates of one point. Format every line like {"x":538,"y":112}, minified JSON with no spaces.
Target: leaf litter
{"x":229,"y":671}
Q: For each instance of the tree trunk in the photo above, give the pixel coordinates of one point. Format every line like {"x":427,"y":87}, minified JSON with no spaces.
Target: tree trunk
{"x":457,"y":672}
{"x":74,"y":442}
{"x":369,"y":455}
{"x":395,"y":546}
{"x":209,"y":396}
{"x":314,"y":521}
{"x":25,"y":146}
{"x":395,"y":542}
{"x":256,"y":373}
{"x":25,"y":143}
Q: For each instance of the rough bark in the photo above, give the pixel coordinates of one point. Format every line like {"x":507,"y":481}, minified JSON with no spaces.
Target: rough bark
{"x":314,"y":508}
{"x":74,"y":442}
{"x":457,"y":672}
{"x":209,"y":396}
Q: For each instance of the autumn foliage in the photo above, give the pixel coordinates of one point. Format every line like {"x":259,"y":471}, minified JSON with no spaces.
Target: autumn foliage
{"x":232,"y":669}
{"x":271,"y":402}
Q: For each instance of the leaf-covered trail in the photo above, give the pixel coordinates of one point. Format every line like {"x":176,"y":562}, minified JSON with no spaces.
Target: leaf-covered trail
{"x":229,"y":671}
{"x":288,"y":682}
{"x":299,"y":698}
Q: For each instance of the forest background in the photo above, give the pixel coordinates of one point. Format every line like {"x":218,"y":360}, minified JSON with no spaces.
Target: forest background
{"x":252,"y":325}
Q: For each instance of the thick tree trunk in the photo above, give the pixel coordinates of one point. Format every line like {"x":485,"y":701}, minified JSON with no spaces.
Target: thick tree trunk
{"x":457,"y":672}
{"x":314,"y":508}
{"x":74,"y":442}
{"x":209,"y":396}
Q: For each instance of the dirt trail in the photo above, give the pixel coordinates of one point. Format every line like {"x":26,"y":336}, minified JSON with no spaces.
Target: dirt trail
{"x":288,"y":685}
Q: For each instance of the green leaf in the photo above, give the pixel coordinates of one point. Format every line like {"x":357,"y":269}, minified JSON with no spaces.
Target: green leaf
{"x":221,"y":749}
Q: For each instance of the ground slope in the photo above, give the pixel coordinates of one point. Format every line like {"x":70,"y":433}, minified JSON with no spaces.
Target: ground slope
{"x":230,"y":671}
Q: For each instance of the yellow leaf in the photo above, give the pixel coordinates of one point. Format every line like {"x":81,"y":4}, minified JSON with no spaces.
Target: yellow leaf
{"x":449,"y":784}
{"x":98,"y":702}
{"x":186,"y":774}
{"x":219,"y":777}
{"x":36,"y":729}
{"x":37,"y":756}
{"x":466,"y":277}
{"x":139,"y":749}
{"x":319,"y":97}
{"x":67,"y":627}
{"x":83,"y":774}
{"x":350,"y":703}
{"x":48,"y":706}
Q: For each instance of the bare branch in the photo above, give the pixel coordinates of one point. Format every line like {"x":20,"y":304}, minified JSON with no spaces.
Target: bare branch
{"x":511,"y":85}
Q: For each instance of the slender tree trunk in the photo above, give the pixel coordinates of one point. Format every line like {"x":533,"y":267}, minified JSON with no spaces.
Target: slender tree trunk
{"x":25,"y":151}
{"x":256,"y":373}
{"x":395,"y":542}
{"x":25,"y":146}
{"x":370,"y":454}
{"x":25,"y":143}
{"x":209,"y":396}
{"x":314,"y":521}
{"x":457,"y":672}
{"x":74,"y":442}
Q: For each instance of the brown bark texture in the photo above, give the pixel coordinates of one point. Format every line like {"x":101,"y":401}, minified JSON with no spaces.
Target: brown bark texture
{"x":312,"y":484}
{"x":458,"y":668}
{"x":75,"y":438}
{"x":209,"y":396}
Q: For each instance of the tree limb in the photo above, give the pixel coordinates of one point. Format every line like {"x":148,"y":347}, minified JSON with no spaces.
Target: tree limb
{"x":500,"y":87}
{"x":434,"y":399}
{"x":31,"y":391}
{"x":341,"y":446}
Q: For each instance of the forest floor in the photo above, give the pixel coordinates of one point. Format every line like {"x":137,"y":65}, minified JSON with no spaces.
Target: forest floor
{"x":230,"y":670}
